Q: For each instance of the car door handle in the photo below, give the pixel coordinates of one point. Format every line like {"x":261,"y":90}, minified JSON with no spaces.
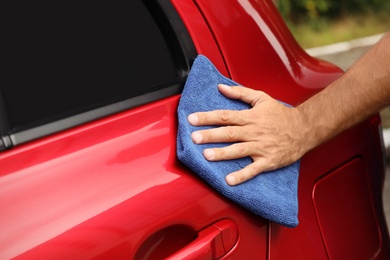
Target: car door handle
{"x":212,"y":242}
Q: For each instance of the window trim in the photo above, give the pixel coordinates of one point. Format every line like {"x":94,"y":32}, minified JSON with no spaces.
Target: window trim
{"x":185,"y":53}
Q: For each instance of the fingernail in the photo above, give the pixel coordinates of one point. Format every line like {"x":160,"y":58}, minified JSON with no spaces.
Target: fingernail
{"x":193,"y":119}
{"x":196,"y":137}
{"x":231,"y":180}
{"x":209,"y":154}
{"x":224,"y":85}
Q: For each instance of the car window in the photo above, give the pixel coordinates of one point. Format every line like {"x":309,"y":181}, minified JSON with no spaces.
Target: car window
{"x":59,"y":60}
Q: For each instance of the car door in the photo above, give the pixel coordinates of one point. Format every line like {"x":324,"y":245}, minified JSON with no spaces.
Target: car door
{"x":88,"y":164}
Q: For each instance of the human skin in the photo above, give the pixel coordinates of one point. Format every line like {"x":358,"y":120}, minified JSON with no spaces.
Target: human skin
{"x":275,"y":136}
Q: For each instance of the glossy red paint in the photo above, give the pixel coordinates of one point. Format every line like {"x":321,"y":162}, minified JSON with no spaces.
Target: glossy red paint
{"x":98,"y":195}
{"x":261,"y":53}
{"x":113,"y":188}
{"x":349,"y":184}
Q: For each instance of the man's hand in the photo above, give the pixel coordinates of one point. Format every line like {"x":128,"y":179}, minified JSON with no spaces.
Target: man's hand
{"x":274,"y":135}
{"x":271,"y":133}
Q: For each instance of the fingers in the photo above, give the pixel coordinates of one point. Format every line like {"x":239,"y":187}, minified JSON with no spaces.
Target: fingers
{"x":226,"y":134}
{"x":247,"y":95}
{"x":216,"y":117}
{"x":237,"y":129}
{"x":234,"y":151}
{"x":229,"y":117}
{"x":245,"y":174}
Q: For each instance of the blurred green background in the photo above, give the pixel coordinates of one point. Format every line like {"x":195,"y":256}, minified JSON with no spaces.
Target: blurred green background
{"x":321,"y":22}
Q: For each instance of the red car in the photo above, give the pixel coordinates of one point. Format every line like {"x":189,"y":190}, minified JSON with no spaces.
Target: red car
{"x":88,"y":125}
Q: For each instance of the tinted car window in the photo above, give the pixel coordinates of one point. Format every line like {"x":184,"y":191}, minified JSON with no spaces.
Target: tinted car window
{"x":61,"y":59}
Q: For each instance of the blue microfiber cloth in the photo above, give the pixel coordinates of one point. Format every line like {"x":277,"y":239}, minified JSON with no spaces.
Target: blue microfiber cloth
{"x":271,"y":195}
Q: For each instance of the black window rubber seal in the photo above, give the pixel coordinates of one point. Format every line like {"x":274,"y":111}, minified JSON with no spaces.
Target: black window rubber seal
{"x":185,"y":52}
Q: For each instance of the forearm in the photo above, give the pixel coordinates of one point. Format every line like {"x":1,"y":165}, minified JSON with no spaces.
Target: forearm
{"x":362,"y":91}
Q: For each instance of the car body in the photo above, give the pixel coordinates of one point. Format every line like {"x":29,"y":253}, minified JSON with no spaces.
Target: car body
{"x":88,"y":125}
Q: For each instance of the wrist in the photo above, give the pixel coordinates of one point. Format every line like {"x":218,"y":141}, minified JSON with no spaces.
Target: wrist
{"x":311,"y":130}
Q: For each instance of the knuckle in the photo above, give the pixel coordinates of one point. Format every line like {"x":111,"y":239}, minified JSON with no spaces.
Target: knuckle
{"x":230,"y":133}
{"x":224,"y":116}
{"x":241,"y":150}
